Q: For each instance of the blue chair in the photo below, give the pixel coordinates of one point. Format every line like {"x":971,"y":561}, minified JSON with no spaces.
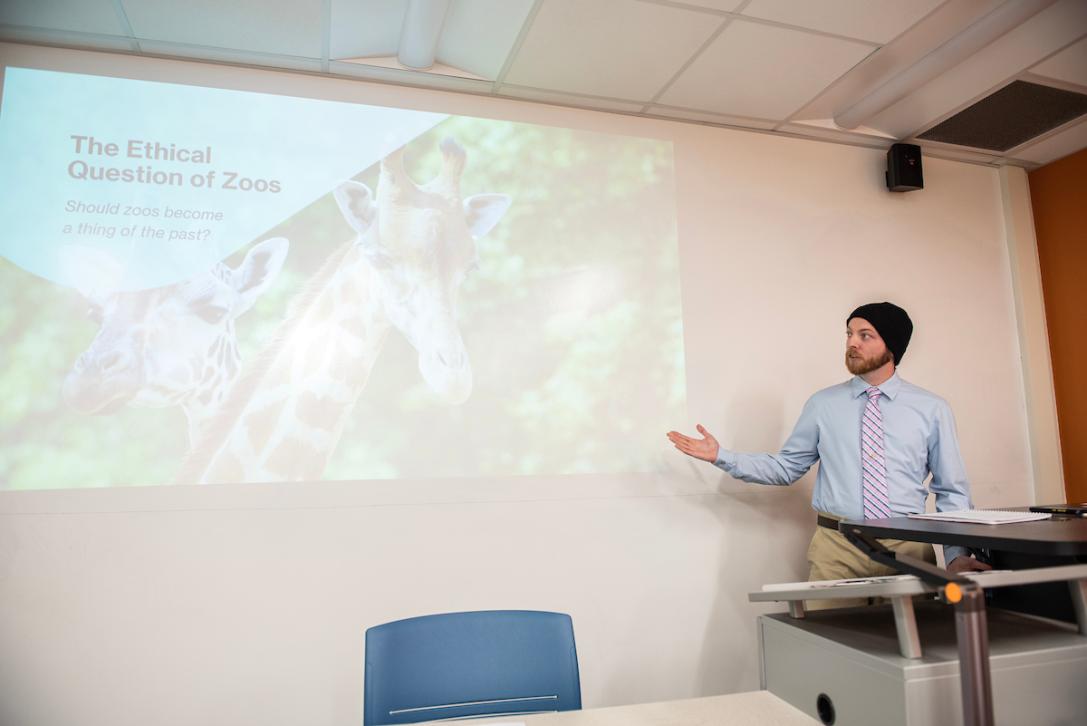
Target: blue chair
{"x":460,"y":665}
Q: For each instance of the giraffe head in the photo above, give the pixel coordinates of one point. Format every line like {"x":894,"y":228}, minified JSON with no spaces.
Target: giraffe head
{"x":423,"y":245}
{"x":172,"y":345}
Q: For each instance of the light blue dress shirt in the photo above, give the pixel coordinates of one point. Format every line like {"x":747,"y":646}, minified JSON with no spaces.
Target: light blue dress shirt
{"x":919,"y":439}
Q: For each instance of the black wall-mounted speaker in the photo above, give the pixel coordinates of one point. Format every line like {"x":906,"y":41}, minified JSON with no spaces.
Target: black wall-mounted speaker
{"x":904,"y":168}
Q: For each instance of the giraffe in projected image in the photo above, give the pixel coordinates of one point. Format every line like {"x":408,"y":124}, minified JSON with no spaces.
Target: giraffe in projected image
{"x":414,"y":245}
{"x":172,"y":345}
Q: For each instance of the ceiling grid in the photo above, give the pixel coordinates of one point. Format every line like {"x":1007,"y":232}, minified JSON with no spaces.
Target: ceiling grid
{"x":773,"y":66}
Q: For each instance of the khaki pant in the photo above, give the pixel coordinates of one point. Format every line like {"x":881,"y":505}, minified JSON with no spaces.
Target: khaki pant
{"x":832,"y":557}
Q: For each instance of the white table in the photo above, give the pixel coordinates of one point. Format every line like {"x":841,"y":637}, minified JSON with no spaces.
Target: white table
{"x":759,"y":708}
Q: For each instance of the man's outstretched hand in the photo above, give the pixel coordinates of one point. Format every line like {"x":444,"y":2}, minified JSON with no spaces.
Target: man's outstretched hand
{"x":705,"y":448}
{"x":962,"y":563}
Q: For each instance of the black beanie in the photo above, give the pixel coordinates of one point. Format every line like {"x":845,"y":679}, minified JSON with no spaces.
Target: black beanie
{"x":891,"y":322}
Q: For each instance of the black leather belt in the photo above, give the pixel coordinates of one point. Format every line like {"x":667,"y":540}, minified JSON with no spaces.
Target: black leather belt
{"x":827,"y":522}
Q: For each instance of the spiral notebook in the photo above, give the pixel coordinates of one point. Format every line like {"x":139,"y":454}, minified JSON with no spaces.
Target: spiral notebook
{"x":983,"y":516}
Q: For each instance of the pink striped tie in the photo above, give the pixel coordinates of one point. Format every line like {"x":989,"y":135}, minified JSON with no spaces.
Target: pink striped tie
{"x":876,"y":503}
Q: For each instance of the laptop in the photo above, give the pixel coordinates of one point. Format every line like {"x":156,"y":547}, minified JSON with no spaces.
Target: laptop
{"x":1071,"y":510}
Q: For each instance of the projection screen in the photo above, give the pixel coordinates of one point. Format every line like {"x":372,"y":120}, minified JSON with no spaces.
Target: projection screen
{"x":206,"y":285}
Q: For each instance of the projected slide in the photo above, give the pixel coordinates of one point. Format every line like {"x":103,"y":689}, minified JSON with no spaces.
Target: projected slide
{"x":201,"y":285}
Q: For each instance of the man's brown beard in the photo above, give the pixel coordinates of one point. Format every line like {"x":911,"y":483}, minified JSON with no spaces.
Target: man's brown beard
{"x":860,"y":366}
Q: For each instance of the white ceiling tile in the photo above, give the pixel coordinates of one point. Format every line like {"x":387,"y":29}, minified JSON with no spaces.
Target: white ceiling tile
{"x":70,"y":38}
{"x":1055,"y":147}
{"x":286,"y":27}
{"x":1070,"y":65}
{"x":891,"y":59}
{"x":875,"y":20}
{"x":362,"y":29}
{"x":85,"y":16}
{"x":758,"y":70}
{"x":611,"y":48}
{"x":479,"y":34}
{"x":567,"y":99}
{"x":616,"y":55}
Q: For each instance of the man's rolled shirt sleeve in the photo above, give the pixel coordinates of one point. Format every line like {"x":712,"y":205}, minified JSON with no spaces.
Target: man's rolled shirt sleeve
{"x":799,"y":452}
{"x":949,"y":483}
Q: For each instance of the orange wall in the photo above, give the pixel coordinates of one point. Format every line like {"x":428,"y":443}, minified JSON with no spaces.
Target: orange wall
{"x":1059,"y":196}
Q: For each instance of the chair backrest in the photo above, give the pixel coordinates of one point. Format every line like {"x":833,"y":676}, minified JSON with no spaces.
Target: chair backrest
{"x":456,"y":665}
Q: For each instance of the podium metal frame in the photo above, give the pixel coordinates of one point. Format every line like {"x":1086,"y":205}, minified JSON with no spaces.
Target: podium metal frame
{"x":964,"y":592}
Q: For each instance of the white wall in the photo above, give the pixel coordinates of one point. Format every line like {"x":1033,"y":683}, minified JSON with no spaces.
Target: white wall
{"x":247,"y":604}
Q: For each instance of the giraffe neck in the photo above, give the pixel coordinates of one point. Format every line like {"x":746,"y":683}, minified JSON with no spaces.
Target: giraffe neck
{"x":283,"y":419}
{"x":220,"y":369}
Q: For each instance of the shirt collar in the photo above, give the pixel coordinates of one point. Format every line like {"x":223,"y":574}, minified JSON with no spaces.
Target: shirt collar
{"x":888,"y":388}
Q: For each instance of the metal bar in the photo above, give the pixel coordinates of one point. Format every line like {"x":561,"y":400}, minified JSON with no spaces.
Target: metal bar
{"x":421,"y":32}
{"x":909,"y":642}
{"x":894,"y":586}
{"x":927,"y":571}
{"x":796,"y":609}
{"x":1058,"y":573}
{"x":1079,"y":602}
{"x":971,"y":631}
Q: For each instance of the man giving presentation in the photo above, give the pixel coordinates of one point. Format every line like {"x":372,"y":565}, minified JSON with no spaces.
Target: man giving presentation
{"x":876,"y":438}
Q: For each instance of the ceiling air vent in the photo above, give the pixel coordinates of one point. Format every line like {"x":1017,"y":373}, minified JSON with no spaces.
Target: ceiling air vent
{"x":1013,"y":115}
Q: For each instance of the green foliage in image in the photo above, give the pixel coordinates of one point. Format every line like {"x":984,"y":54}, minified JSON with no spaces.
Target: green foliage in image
{"x":572,"y":323}
{"x":43,"y":329}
